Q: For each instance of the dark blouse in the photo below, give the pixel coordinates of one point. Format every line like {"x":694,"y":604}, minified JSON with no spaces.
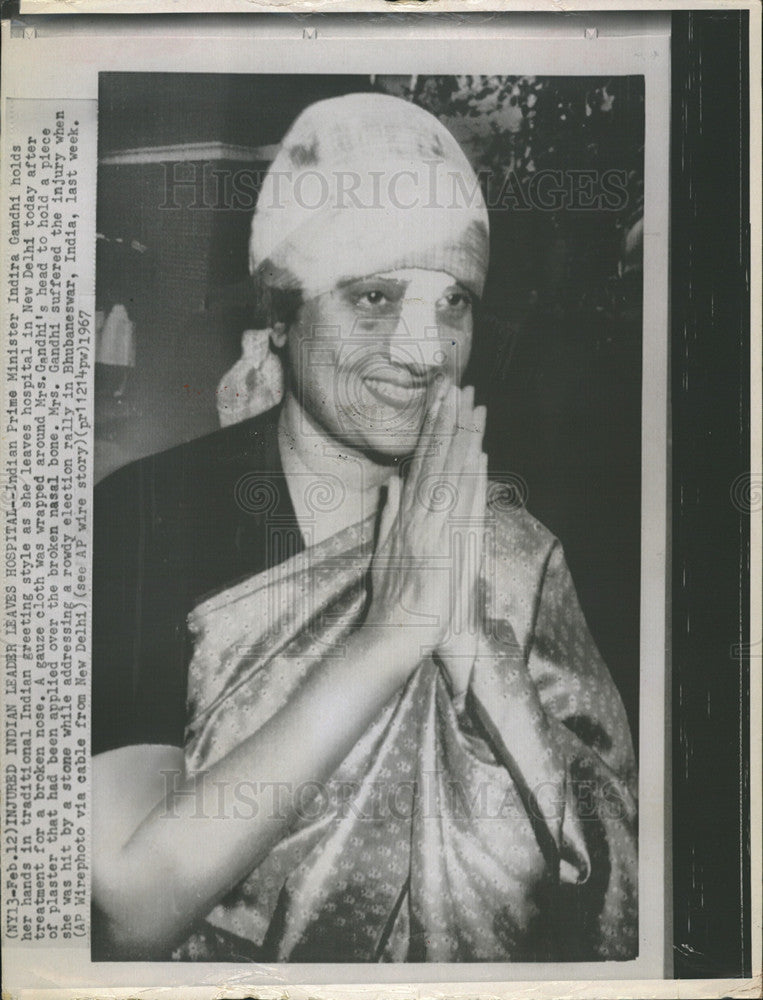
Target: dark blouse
{"x":168,"y":530}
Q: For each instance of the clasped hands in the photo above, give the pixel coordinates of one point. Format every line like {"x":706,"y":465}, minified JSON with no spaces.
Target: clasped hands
{"x":425,"y":573}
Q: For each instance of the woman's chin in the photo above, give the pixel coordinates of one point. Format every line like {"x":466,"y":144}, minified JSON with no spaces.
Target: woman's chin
{"x":389,"y":445}
{"x":394,"y":448}
{"x":391,"y":438}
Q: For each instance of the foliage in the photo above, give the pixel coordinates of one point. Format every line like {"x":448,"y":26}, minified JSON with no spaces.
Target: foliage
{"x":523,"y":124}
{"x":517,"y":127}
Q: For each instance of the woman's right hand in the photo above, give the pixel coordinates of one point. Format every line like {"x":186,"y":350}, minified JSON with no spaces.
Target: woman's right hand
{"x":413,"y":586}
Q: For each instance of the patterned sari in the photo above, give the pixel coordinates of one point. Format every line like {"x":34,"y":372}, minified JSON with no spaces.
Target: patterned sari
{"x":500,"y":829}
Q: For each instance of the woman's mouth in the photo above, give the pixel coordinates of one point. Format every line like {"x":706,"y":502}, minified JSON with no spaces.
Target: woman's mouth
{"x":398,"y":393}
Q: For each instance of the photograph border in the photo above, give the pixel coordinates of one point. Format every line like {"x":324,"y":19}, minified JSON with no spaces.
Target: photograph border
{"x":718,"y":493}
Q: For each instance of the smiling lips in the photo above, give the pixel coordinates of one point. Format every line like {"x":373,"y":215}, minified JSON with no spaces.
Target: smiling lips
{"x":397,"y":389}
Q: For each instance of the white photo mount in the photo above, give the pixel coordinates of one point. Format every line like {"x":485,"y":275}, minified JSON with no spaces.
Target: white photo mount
{"x":594,"y":43}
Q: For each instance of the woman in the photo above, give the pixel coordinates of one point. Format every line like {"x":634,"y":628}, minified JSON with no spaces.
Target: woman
{"x":346,"y":706}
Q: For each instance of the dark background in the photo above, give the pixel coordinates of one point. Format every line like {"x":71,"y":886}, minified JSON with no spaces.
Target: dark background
{"x":557,"y":354}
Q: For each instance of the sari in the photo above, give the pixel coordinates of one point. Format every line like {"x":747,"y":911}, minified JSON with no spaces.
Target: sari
{"x":502,"y":828}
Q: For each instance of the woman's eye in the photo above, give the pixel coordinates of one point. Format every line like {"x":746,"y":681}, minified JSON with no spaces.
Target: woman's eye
{"x":373,"y":297}
{"x":458,"y":301}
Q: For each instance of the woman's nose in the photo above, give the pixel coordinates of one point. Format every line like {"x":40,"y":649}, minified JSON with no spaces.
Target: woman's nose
{"x":415,"y":341}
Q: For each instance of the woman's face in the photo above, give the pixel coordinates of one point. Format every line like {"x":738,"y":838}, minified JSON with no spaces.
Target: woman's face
{"x":367,"y":355}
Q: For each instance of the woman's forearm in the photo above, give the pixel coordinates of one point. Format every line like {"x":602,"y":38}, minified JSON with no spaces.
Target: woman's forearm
{"x":199,"y":841}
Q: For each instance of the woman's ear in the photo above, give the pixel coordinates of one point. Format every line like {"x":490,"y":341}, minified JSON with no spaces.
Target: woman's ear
{"x":278,"y":335}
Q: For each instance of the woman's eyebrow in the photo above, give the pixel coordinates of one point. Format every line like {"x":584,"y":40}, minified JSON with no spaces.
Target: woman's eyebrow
{"x":394,"y":283}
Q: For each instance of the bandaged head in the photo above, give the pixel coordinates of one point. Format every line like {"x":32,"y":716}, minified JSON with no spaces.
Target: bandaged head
{"x":365,"y":184}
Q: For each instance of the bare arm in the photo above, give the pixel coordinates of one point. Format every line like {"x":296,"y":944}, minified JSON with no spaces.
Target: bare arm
{"x":165,"y":849}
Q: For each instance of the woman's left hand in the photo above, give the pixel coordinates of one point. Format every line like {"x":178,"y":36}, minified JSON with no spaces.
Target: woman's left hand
{"x":468,"y":469}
